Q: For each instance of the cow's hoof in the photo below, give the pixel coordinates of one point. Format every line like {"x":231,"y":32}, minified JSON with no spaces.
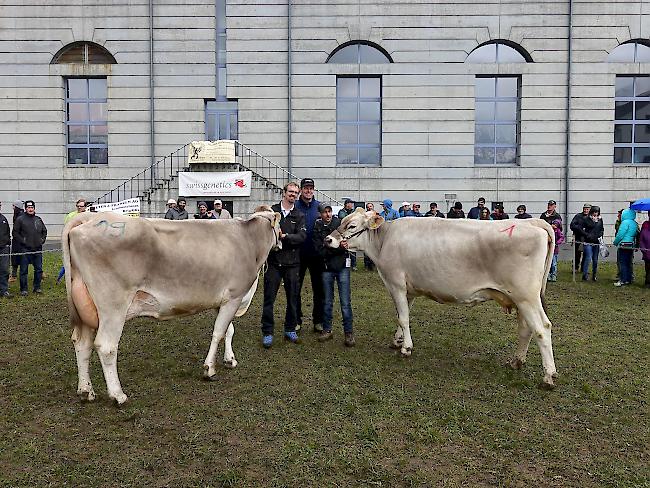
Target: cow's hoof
{"x":406,"y":352}
{"x":120,"y":400}
{"x":395,"y":345}
{"x":546,"y":385}
{"x":232,"y":364}
{"x":516,"y":363}
{"x":555,"y":375}
{"x":208,"y":372}
{"x":86,"y":395}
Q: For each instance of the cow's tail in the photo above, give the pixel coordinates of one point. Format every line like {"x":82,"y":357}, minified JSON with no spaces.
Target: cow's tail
{"x":75,"y":319}
{"x":549,"y":255}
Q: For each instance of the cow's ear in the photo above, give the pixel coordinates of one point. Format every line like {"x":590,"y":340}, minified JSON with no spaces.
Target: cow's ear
{"x":375,"y":221}
{"x":276,"y":218}
{"x":359,"y":210}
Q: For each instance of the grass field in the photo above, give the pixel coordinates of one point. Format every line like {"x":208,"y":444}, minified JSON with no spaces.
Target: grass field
{"x":322,"y":415}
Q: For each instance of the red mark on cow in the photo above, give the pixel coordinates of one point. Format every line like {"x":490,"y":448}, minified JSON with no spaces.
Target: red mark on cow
{"x":240,"y":183}
{"x":508,"y":230}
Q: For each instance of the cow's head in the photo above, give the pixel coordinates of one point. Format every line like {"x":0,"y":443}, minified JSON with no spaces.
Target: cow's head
{"x":353,"y":229}
{"x":274,"y":218}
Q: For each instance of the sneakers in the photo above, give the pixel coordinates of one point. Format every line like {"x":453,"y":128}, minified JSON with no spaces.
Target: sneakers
{"x":620,"y":283}
{"x":318,"y":328}
{"x":6,"y":294}
{"x":38,"y":290}
{"x":349,"y":339}
{"x":551,"y":278}
{"x":298,"y":327}
{"x":291,"y":337}
{"x":24,"y":293}
{"x":325,"y":335}
{"x":267,"y":341}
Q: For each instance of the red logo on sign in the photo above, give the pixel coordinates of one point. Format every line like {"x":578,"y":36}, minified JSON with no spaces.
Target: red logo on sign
{"x":240,"y":183}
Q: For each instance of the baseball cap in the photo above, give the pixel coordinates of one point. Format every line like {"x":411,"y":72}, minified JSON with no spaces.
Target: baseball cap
{"x":405,"y":203}
{"x":29,"y":203}
{"x":348,"y":200}
{"x":201,"y":203}
{"x":586,"y":205}
{"x":18,"y":204}
{"x":552,"y":202}
{"x":322,"y":207}
{"x":171,"y":200}
{"x":306,"y":182}
{"x":218,"y":202}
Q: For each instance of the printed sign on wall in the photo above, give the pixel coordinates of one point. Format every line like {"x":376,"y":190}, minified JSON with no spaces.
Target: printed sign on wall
{"x":211,"y":152}
{"x":130,"y":207}
{"x":199,"y":184}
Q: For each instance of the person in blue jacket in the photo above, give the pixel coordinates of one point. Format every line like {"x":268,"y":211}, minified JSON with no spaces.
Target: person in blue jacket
{"x":389,"y":213}
{"x":624,"y":240}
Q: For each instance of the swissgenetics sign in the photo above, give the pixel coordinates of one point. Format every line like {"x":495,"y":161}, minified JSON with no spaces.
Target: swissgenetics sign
{"x":199,"y":184}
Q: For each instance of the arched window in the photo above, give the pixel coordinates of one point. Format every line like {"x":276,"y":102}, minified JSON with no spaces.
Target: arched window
{"x":83,"y":53}
{"x":497,"y":104}
{"x":359,"y":52}
{"x":630,"y":52}
{"x":632,"y":105}
{"x":358,"y":105}
{"x":499,"y":52}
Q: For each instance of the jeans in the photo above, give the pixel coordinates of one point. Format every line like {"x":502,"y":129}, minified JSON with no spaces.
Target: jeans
{"x":315,"y":267}
{"x":35,"y":260}
{"x":343,"y":279}
{"x":591,"y":256}
{"x":272,"y":278}
{"x":4,"y":269}
{"x":626,"y":265}
{"x":553,"y":272}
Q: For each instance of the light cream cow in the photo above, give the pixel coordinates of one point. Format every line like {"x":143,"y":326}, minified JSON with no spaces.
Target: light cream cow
{"x":118,"y":268}
{"x":461,"y":261}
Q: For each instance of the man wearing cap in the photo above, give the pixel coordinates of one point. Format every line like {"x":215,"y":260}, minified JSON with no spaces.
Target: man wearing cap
{"x":551,"y":212}
{"x":416,"y":210}
{"x":203,"y":212}
{"x":15,"y":246}
{"x":456,"y":212}
{"x":171,"y":209}
{"x":309,"y":258}
{"x":219,"y":212}
{"x":284,"y":266}
{"x":336,"y":268}
{"x":577,"y":226}
{"x":475,"y":212}
{"x":405,"y":210}
{"x":30,"y":231}
{"x":433,"y":211}
{"x":5,"y":239}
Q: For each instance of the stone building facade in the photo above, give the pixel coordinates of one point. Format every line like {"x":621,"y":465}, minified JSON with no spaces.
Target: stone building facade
{"x":519,"y":102}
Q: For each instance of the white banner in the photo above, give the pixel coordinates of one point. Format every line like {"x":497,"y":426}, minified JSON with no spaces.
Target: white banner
{"x":200,"y":184}
{"x":211,"y":152}
{"x":130,"y":207}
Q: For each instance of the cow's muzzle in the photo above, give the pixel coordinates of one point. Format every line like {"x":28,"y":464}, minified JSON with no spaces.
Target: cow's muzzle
{"x":334,"y":239}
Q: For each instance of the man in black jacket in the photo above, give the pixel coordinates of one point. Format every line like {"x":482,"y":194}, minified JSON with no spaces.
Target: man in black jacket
{"x":336,"y":267}
{"x":5,"y":239}
{"x":30,"y":231}
{"x":577,"y":226}
{"x":284,"y":265}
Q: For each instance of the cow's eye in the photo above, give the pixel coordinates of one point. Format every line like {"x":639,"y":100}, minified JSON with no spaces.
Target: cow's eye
{"x":351,"y":226}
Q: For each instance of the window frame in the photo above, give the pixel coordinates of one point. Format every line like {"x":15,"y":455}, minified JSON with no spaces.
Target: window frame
{"x":633,"y":122}
{"x":88,"y":123}
{"x":495,"y":122}
{"x":217,"y":109}
{"x":358,"y":122}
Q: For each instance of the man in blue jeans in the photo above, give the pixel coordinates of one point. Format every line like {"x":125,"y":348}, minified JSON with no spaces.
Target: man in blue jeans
{"x":336,"y":267}
{"x":30,"y":231}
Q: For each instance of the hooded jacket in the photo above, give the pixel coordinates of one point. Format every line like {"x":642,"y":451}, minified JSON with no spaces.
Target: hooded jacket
{"x":390,"y":213}
{"x":628,"y":230}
